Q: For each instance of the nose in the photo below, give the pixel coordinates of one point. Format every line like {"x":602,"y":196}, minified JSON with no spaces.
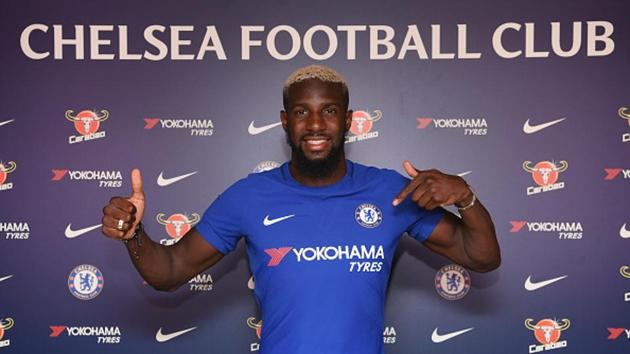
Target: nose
{"x":315,"y":122}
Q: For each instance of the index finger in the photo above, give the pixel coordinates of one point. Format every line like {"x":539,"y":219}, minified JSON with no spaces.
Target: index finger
{"x":410,"y":187}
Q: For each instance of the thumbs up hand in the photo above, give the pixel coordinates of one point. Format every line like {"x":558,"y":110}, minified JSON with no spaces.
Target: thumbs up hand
{"x":122,"y":215}
{"x":431,"y":188}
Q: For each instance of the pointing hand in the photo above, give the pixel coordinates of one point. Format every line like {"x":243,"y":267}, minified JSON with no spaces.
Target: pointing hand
{"x":432,"y":188}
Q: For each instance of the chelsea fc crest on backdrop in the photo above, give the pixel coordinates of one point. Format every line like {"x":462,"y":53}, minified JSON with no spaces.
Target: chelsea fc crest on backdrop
{"x":368,"y":215}
{"x":452,"y":282}
{"x":85,"y":282}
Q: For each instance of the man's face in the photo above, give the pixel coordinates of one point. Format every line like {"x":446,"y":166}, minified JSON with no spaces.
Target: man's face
{"x":316,"y":121}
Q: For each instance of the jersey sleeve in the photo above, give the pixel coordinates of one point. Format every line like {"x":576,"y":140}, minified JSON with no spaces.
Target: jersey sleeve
{"x":221,"y":224}
{"x":419,"y":221}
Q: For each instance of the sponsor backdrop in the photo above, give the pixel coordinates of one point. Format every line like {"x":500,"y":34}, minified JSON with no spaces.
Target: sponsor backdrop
{"x":527,"y":102}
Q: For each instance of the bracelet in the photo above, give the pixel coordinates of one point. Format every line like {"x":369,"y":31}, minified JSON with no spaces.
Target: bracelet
{"x":136,"y":236}
{"x":471,"y":202}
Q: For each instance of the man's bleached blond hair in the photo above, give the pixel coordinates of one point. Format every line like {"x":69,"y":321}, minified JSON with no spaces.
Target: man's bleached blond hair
{"x":318,"y":72}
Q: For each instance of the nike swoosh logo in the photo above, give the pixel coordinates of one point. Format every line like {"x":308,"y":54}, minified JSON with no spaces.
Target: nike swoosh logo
{"x":464,"y":173}
{"x":6,"y":122}
{"x":439,"y":338}
{"x":163,"y":182}
{"x":623,"y":232}
{"x":531,"y":286}
{"x":268,"y":221}
{"x":252,"y":130}
{"x":6,"y":277}
{"x":531,"y":129}
{"x":76,"y":233}
{"x":160,"y":337}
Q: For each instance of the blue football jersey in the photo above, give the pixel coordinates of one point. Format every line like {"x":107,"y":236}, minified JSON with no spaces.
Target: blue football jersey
{"x":320,"y":256}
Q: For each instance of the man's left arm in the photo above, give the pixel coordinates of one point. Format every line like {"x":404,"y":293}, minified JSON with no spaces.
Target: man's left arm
{"x":470,"y":241}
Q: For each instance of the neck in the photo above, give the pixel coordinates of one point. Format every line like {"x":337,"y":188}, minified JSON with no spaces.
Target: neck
{"x":335,"y":175}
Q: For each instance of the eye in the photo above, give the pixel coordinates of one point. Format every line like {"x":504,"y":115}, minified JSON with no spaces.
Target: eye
{"x":300,"y":112}
{"x":330,"y":110}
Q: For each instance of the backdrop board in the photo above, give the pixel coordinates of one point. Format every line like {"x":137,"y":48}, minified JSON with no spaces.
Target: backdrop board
{"x":527,"y":100}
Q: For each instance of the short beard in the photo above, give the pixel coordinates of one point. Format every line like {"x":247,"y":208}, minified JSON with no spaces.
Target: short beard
{"x":316,"y":169}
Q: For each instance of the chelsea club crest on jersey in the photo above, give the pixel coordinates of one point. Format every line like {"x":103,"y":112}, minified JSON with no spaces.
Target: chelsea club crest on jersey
{"x":368,"y":215}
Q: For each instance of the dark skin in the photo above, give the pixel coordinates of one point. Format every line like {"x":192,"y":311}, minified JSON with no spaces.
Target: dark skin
{"x":316,"y":120}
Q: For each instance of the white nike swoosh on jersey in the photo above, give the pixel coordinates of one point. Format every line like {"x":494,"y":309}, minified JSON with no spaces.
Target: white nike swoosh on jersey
{"x":160,"y":337}
{"x":6,"y":277}
{"x":623,"y":232}
{"x":268,"y":221}
{"x":251,"y":284}
{"x":6,"y":122}
{"x":464,"y":173}
{"x":163,"y":182}
{"x":439,"y":338}
{"x":252,"y":130}
{"x":76,"y":233}
{"x":531,"y":286}
{"x":531,"y":129}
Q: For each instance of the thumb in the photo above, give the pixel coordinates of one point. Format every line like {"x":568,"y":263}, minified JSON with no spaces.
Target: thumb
{"x":136,"y":184}
{"x":411,"y":171}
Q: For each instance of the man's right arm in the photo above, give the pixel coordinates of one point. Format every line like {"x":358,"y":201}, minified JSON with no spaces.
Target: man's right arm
{"x":163,"y":267}
{"x":166,"y":268}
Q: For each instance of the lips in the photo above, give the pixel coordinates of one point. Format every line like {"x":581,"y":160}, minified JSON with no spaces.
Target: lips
{"x":316,"y":143}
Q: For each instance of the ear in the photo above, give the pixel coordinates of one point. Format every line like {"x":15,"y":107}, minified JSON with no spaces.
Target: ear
{"x":349,"y":119}
{"x":284,"y":119}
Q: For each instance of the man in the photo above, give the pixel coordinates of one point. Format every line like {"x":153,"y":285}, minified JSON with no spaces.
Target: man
{"x":321,"y":231}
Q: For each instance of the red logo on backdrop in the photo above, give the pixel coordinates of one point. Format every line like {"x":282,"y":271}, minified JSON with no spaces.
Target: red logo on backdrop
{"x":276,"y":254}
{"x":545,"y":173}
{"x":616,"y":332}
{"x":150,"y":122}
{"x":423,"y":122}
{"x":623,"y":113}
{"x":177,"y":225}
{"x":612,"y":173}
{"x":58,"y":175}
{"x":547,"y":331}
{"x":362,"y":121}
{"x":87,"y":122}
{"x":56,"y":330}
{"x":517,"y":225}
{"x":5,"y":169}
{"x":257,"y":326}
{"x":5,"y":324}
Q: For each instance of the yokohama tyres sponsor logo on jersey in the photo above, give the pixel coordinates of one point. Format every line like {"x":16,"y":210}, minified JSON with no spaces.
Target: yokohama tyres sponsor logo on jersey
{"x":363,"y":258}
{"x":103,"y":334}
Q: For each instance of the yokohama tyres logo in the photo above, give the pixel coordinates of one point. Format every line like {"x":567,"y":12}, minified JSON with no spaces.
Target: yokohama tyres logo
{"x":361,"y":258}
{"x":613,"y":173}
{"x":277,"y":254}
{"x":105,"y":179}
{"x":615,"y":333}
{"x":566,"y":230}
{"x":470,"y":126}
{"x":198,"y":127}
